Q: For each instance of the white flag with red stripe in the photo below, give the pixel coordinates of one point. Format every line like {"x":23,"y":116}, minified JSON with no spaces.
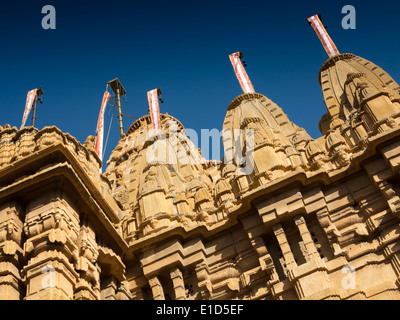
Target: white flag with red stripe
{"x":28,"y":106}
{"x":326,"y":40}
{"x":241,"y":73}
{"x":152,"y":97}
{"x":98,"y":145}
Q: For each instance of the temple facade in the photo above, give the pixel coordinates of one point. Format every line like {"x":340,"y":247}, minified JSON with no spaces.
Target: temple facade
{"x":312,"y":219}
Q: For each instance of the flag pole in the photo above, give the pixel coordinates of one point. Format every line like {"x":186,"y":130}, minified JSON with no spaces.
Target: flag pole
{"x":329,"y":46}
{"x":34,"y":111}
{"x":39,"y":93}
{"x":236,"y":59}
{"x":153,"y":97}
{"x":119,"y":91}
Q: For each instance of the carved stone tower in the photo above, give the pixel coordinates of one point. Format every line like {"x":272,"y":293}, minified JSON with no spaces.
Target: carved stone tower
{"x":282,"y":216}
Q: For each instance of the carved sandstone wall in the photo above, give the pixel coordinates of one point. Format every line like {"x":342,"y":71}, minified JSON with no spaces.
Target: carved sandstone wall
{"x":315,"y":219}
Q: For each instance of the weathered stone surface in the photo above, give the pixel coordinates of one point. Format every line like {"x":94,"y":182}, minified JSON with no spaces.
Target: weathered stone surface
{"x":315,"y":219}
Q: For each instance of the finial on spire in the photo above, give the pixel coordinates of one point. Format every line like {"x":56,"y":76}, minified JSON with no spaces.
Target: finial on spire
{"x":244,"y":80}
{"x":320,"y":30}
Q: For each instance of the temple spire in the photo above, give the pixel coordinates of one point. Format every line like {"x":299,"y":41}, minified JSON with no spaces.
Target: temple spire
{"x":329,"y":46}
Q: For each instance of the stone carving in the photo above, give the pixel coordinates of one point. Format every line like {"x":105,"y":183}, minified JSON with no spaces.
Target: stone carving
{"x":223,"y":192}
{"x":202,"y":199}
{"x":89,"y":143}
{"x":206,"y":229}
{"x":315,"y":154}
{"x":119,"y":179}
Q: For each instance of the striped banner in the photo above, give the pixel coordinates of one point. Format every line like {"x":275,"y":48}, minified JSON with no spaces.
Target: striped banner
{"x":98,"y":145}
{"x":241,"y":74}
{"x":326,"y":40}
{"x":28,"y":106}
{"x":152,"y":97}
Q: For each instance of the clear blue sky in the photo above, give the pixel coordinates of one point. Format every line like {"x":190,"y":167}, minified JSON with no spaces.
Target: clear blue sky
{"x":182,"y":47}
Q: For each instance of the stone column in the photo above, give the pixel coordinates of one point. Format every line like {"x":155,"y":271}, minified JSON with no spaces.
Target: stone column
{"x":178,"y":283}
{"x":284,"y":245}
{"x":137,"y":294}
{"x":266,"y":262}
{"x":52,"y":228}
{"x":156,"y":288}
{"x":88,"y":285}
{"x":255,"y":229}
{"x":204,"y":280}
{"x":109,"y":288}
{"x":11,"y":229}
{"x":330,"y":229}
{"x":312,"y":252}
{"x":311,"y":279}
{"x":123,"y":292}
{"x":113,"y":281}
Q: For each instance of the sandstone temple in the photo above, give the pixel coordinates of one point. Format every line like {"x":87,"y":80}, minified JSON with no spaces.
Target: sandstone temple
{"x":314,"y":219}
